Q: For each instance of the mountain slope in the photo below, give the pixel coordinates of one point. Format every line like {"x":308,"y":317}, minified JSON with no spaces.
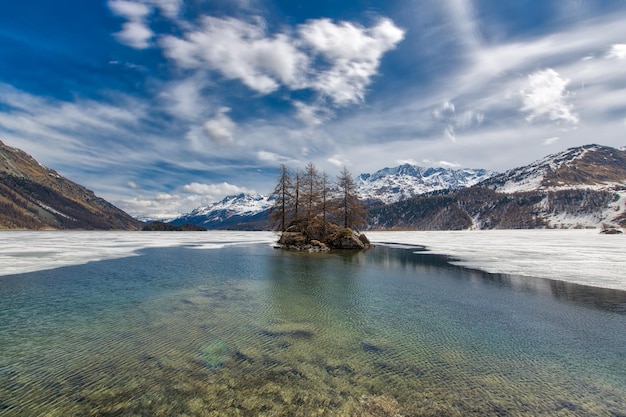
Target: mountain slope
{"x":390,"y":185}
{"x":35,"y":197}
{"x":590,"y":166}
{"x":580,"y":187}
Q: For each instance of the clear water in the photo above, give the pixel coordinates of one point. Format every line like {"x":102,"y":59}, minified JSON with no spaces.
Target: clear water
{"x":250,"y":331}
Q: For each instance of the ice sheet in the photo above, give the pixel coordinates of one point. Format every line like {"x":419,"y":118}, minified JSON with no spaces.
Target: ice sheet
{"x":578,"y":256}
{"x":27,"y":251}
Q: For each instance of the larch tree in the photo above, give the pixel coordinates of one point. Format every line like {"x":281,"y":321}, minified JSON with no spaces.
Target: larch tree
{"x":350,"y":209}
{"x":311,"y":191}
{"x":282,"y":194}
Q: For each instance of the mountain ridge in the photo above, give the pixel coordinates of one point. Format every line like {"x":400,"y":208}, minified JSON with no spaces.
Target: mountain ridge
{"x":33,"y":196}
{"x":577,"y":188}
{"x":580,"y":187}
{"x":589,"y":166}
{"x":390,"y":185}
{"x":383,"y":186}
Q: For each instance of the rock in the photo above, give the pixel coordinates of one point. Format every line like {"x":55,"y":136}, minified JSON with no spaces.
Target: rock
{"x":316,"y":236}
{"x":348,"y":239}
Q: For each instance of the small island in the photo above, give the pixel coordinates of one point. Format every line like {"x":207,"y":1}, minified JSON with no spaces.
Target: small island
{"x":314,"y":215}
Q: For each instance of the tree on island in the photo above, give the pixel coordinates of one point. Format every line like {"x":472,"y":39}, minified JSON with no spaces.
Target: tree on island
{"x":351,"y":209}
{"x":282,"y":198}
{"x":308,"y":208}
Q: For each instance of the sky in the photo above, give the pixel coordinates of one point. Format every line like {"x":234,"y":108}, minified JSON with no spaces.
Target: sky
{"x":162,"y":106}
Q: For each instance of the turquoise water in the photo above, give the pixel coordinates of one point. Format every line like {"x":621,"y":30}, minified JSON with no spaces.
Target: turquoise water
{"x":250,"y":330}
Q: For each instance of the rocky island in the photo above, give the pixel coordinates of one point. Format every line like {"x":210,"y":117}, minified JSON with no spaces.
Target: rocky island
{"x":313,"y":238}
{"x":308,"y":209}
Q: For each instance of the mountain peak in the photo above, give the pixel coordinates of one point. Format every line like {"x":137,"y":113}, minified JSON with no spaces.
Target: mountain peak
{"x":390,"y":185}
{"x":588,"y":166}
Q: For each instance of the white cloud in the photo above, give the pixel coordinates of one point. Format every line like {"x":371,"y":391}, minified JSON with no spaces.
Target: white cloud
{"x":135,"y":33}
{"x":446,"y":114}
{"x":550,"y":141}
{"x":275,"y":158}
{"x":311,"y":115}
{"x":353,"y":54}
{"x":617,"y":51}
{"x":240,"y":50}
{"x":449,"y":133}
{"x":170,"y":8}
{"x":185,"y":100}
{"x":33,"y":115}
{"x":132,"y":184}
{"x":129,"y":9}
{"x":465,"y":23}
{"x":182,"y":200}
{"x":214,"y":191}
{"x":164,"y":206}
{"x":221,"y":128}
{"x":338,"y":161}
{"x":446,"y":164}
{"x":409,"y":161}
{"x":338,"y":60}
{"x":544,"y":97}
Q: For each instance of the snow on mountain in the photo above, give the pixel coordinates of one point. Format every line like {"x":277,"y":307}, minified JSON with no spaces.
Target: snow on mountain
{"x":390,"y":185}
{"x":589,"y":167}
{"x":230,"y":211}
{"x":241,"y":204}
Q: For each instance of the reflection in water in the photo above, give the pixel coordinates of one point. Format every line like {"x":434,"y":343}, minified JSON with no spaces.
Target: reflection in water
{"x":256,"y":331}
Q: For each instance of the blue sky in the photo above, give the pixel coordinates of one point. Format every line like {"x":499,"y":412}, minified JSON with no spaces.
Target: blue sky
{"x":161,"y":106}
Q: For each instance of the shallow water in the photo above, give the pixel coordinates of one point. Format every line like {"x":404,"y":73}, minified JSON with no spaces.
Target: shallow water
{"x":253,"y":331}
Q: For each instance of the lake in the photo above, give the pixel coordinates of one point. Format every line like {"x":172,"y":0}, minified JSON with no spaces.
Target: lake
{"x":250,"y":330}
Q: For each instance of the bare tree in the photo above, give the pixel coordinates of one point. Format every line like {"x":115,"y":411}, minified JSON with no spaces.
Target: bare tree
{"x":311,"y":191}
{"x":350,"y":209}
{"x":282,"y":195}
{"x":324,"y":199}
{"x":296,"y":196}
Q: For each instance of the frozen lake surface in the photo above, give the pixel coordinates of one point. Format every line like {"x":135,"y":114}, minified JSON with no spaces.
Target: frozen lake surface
{"x":583,"y":257}
{"x":579,"y":256}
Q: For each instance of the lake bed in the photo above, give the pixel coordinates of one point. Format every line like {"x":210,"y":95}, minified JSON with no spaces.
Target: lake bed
{"x":244,"y":329}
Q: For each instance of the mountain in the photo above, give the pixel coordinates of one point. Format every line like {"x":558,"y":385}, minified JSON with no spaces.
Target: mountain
{"x":590,"y":166}
{"x":33,"y":196}
{"x":250,"y":211}
{"x":241,"y":212}
{"x":580,"y":187}
{"x":390,"y":185}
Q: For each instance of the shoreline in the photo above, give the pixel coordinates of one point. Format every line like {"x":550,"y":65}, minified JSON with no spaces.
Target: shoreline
{"x":577,"y":256}
{"x":583,"y":257}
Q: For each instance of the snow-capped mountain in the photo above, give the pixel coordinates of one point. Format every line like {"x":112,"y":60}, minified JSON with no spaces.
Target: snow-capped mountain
{"x":390,"y":185}
{"x":590,"y":167}
{"x":387,"y":185}
{"x":241,"y":204}
{"x":229,"y":212}
{"x":577,"y":188}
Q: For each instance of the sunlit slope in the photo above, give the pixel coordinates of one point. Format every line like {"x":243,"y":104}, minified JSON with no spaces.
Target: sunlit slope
{"x":33,"y":196}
